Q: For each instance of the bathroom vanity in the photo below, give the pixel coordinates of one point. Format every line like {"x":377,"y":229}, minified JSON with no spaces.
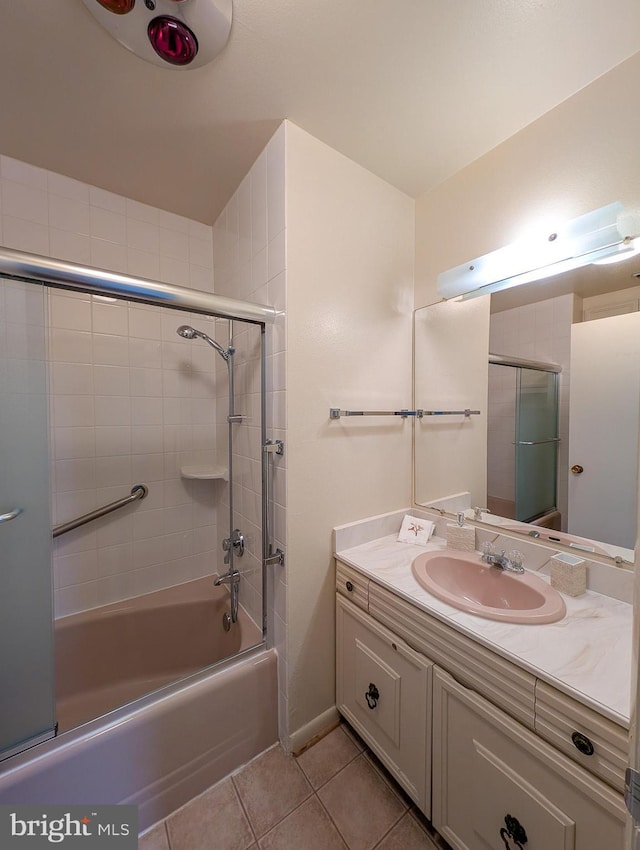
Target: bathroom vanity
{"x":504,"y":735}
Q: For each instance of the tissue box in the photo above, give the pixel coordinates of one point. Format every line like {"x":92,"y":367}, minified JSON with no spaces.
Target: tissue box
{"x":461,"y":537}
{"x":568,"y":574}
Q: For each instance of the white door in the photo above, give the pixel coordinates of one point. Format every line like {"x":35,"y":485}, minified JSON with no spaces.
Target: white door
{"x":603,"y":429}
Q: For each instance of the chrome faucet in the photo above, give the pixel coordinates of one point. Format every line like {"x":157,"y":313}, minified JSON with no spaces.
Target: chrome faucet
{"x":232,"y":578}
{"x":477,"y":513}
{"x":511,"y":562}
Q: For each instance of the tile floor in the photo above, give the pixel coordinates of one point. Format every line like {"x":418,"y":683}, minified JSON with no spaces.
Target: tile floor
{"x":335,"y":796}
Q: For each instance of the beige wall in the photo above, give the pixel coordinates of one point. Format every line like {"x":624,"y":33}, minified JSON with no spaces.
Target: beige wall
{"x":576,"y":158}
{"x":349,"y":303}
{"x":579,"y":156}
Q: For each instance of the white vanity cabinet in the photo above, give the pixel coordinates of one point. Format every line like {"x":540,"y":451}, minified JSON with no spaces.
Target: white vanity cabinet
{"x":383,"y":688}
{"x":495,"y":783}
{"x":473,"y":738}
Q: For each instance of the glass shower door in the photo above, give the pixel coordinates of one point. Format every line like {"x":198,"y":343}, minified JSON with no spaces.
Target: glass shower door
{"x":536,"y":443}
{"x":26,"y":626}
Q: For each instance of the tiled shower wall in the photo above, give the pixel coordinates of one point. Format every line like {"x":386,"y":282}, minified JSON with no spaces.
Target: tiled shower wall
{"x":130,"y":400}
{"x":249,"y":248}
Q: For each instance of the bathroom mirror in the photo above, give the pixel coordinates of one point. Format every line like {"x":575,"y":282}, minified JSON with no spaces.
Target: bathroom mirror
{"x":553,"y":367}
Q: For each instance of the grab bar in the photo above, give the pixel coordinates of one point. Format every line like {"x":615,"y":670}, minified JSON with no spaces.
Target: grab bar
{"x":536,"y":442}
{"x":138,"y":491}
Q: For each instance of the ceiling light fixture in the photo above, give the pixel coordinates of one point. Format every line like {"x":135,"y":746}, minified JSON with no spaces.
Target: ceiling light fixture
{"x":118,"y":7}
{"x":598,"y":235}
{"x":179,"y":34}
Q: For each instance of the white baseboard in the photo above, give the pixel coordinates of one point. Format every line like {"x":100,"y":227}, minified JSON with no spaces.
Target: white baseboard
{"x":320,"y":725}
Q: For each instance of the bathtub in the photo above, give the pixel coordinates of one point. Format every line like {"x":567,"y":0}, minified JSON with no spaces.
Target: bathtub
{"x":168,"y":746}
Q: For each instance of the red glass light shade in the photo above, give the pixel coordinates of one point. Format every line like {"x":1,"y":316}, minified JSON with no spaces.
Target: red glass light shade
{"x":172,"y":40}
{"x":118,"y":7}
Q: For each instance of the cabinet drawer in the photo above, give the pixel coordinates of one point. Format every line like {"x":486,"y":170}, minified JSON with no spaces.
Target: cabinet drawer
{"x":490,"y":775}
{"x":558,"y":718}
{"x":383,"y":688}
{"x":473,"y":665}
{"x":353,"y":585}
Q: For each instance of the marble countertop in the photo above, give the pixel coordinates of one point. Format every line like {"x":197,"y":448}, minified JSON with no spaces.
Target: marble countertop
{"x":587,"y":654}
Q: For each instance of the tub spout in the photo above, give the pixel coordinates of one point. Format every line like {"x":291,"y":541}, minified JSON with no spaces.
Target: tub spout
{"x":232,"y":578}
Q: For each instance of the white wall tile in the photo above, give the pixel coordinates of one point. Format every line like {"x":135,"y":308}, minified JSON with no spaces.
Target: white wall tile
{"x":69,"y":214}
{"x":143,"y":264}
{"x":72,"y":379}
{"x":110,"y":350}
{"x":22,"y":172}
{"x":142,"y":212}
{"x":174,"y":243}
{"x":70,"y":313}
{"x":108,"y":255}
{"x":23,"y":201}
{"x":72,"y":247}
{"x":107,"y":200}
{"x":25,"y":235}
{"x":67,"y":187}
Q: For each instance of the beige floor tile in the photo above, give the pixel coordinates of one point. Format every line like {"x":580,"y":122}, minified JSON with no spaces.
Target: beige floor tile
{"x":154,"y":839}
{"x":361,"y":804}
{"x":270,"y":787}
{"x":322,"y":761}
{"x":406,"y":835}
{"x":307,"y":828}
{"x":215,"y":819}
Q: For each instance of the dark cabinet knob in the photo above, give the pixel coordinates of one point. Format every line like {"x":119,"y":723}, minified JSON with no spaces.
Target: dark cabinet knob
{"x":349,"y":586}
{"x":372,"y":696}
{"x":513,"y":834}
{"x":583,"y":744}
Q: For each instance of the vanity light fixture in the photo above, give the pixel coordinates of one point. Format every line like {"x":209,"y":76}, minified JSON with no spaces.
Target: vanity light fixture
{"x":598,"y":235}
{"x":179,"y":34}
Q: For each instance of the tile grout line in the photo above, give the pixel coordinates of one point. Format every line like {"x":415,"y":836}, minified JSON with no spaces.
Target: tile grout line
{"x":328,"y":814}
{"x":244,"y":811}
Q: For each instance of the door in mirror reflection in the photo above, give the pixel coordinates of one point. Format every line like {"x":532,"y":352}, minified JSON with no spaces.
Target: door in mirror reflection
{"x":603,"y":429}
{"x":522,"y":441}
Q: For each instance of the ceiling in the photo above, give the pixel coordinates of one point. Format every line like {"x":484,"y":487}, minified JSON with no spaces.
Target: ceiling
{"x":413,"y":90}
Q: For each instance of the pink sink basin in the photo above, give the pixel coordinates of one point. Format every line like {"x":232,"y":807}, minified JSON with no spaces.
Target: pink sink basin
{"x":463,"y":580}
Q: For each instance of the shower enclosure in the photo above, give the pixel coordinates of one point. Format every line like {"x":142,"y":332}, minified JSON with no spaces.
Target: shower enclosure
{"x":190,"y":419}
{"x":522,"y":442}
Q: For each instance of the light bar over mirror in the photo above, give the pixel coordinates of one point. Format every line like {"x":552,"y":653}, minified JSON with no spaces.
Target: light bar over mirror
{"x":607,"y":233}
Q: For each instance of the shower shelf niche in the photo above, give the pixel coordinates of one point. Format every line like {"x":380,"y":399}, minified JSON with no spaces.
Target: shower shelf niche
{"x":205,"y":472}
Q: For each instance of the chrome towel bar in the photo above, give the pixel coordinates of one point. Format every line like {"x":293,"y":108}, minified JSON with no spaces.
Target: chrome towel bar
{"x":336,"y":413}
{"x":138,"y":491}
{"x":466,"y":412}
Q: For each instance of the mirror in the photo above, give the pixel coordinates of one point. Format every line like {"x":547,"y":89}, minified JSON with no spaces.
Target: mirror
{"x":553,"y":367}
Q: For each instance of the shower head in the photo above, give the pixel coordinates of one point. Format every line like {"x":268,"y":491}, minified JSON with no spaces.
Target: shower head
{"x":188,"y":332}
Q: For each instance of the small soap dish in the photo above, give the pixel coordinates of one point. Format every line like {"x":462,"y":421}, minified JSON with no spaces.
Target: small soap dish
{"x":204,"y":472}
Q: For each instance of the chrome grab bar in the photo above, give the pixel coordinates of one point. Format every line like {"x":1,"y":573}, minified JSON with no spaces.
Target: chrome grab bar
{"x":10,"y":515}
{"x":138,"y":491}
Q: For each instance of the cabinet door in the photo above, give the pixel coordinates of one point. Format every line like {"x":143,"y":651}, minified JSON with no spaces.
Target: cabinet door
{"x":383,"y":690}
{"x":496,"y":785}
